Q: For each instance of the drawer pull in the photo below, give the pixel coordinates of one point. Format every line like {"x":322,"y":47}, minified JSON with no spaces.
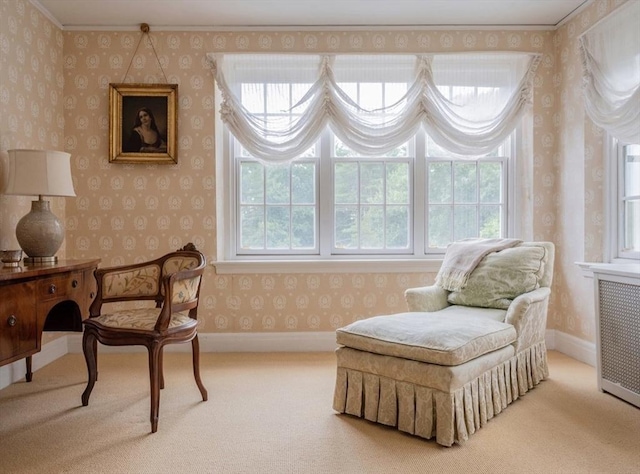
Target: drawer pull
{"x":52,"y":289}
{"x":74,"y":284}
{"x":12,"y":320}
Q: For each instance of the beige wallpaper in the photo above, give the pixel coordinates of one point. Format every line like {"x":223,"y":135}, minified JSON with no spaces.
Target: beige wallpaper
{"x":31,"y":94}
{"x":126,"y":213}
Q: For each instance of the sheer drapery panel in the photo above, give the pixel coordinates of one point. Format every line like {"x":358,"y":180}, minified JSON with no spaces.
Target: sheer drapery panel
{"x":611,"y":73}
{"x":277,"y":105}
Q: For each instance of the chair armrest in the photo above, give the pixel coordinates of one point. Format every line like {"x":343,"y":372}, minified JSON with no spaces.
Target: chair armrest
{"x":183,"y":286}
{"x":181,"y":292}
{"x":139,"y":281}
{"x":426,"y":298}
{"x":528,"y":314}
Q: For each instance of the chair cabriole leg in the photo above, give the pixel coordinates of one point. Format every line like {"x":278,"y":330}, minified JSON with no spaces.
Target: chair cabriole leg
{"x":161,"y":367}
{"x":154,"y":374}
{"x":90,"y":348}
{"x":195,"y":346}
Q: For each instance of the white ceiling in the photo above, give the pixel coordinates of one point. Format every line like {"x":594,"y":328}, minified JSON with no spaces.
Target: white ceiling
{"x":190,"y":14}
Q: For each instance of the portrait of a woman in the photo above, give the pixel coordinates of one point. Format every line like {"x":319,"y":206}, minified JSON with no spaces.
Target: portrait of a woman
{"x":145,"y":136}
{"x":143,"y":123}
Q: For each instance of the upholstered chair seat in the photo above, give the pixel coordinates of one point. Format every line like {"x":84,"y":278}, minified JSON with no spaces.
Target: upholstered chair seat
{"x":141,"y":319}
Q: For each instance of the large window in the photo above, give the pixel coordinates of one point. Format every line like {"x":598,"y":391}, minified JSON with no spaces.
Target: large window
{"x":625,"y":199}
{"x":353,"y":205}
{"x":331,"y":200}
{"x":382,"y":166}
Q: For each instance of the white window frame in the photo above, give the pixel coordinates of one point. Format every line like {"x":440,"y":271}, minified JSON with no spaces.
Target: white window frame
{"x":228,"y":262}
{"x":614,"y":205}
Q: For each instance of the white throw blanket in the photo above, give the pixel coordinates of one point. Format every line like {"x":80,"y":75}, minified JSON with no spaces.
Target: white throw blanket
{"x":463,"y":256}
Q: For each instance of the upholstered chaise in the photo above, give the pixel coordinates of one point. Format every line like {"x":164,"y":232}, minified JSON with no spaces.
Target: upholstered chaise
{"x":457,"y":358}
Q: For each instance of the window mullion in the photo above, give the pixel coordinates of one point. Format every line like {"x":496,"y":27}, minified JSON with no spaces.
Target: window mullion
{"x":452,"y":229}
{"x":359,"y":207}
{"x":291,"y":207}
{"x":232,"y":208}
{"x":265,"y":110}
{"x":513,"y":205}
{"x":478,"y":218}
{"x":385,"y":204}
{"x":326,"y":219}
{"x":620,"y":201}
{"x":264,"y":207}
{"x":419,"y":195}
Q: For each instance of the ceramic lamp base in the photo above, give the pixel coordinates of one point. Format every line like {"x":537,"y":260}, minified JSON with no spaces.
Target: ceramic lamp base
{"x":40,"y":233}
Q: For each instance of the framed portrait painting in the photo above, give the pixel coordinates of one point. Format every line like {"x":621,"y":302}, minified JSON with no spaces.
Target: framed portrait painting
{"x":142,"y":123}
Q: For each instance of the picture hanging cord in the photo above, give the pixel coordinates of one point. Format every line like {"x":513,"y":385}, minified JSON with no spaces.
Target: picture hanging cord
{"x":144,"y":27}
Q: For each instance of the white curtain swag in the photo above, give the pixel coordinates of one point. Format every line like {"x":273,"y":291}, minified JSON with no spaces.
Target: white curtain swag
{"x":610,"y":53}
{"x":471,"y":124}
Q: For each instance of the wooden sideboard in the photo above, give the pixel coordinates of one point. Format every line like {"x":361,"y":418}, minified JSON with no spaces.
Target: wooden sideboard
{"x":42,"y":298}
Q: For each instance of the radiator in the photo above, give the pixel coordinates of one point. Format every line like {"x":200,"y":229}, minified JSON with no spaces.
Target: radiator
{"x":618,"y":331}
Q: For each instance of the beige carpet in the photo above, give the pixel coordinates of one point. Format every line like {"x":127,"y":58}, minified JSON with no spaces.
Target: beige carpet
{"x":271,"y":413}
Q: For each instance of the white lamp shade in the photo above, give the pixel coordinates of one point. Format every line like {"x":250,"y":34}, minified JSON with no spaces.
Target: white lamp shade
{"x":39,"y":173}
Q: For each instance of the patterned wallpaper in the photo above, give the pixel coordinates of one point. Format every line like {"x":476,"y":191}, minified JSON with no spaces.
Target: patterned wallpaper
{"x":124,"y":213}
{"x":31,"y":94}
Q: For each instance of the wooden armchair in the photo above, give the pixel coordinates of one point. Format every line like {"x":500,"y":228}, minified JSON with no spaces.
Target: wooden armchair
{"x":173,"y":282}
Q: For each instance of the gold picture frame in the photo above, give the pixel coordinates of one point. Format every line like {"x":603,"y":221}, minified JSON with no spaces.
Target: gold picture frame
{"x":143,"y":123}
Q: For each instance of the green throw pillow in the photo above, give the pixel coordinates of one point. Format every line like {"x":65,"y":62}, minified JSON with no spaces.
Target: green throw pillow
{"x":501,"y":276}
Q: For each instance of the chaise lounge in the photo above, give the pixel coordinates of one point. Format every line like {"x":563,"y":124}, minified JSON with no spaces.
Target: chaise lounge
{"x":458,"y":358}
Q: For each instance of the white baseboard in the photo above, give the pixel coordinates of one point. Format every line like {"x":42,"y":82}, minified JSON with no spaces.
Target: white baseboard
{"x":572,"y":346}
{"x":51,"y":351}
{"x":325,"y":341}
{"x":576,"y":348}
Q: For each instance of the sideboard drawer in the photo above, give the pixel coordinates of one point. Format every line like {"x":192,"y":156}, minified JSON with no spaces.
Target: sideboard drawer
{"x":59,"y":286}
{"x":18,"y":329}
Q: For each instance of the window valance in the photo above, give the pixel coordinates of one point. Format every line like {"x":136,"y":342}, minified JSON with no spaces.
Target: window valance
{"x":611,"y":72}
{"x":462,"y":122}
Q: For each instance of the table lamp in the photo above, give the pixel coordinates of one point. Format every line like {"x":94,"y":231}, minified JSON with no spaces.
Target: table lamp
{"x":39,"y":173}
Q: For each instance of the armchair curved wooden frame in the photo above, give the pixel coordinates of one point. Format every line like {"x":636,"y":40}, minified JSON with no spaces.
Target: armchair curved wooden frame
{"x":173,"y":282}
